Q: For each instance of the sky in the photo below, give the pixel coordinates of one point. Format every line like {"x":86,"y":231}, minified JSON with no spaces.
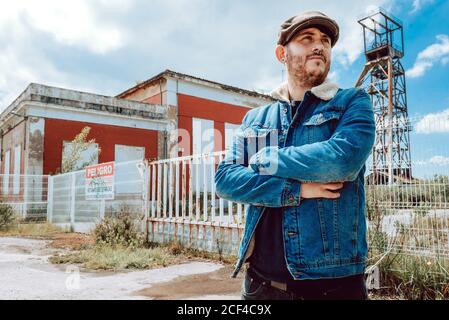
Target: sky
{"x":107,"y":46}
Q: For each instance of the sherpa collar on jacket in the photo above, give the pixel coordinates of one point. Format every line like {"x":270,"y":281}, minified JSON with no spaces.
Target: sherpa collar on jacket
{"x":325,"y":91}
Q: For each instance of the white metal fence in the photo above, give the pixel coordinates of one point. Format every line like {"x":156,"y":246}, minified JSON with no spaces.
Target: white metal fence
{"x":410,"y":218}
{"x":177,"y":196}
{"x":185,"y":207}
{"x":26,"y":194}
{"x":68,"y":204}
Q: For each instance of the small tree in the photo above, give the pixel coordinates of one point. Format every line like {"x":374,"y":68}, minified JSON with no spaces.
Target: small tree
{"x":79,"y":145}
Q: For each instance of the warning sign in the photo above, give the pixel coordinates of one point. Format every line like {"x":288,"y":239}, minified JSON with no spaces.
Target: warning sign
{"x":100,"y":181}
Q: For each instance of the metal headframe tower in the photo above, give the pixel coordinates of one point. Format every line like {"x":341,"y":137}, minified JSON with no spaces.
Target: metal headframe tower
{"x":383,"y":77}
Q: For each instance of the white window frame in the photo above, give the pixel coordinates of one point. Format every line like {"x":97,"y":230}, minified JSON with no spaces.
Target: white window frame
{"x":16,"y":168}
{"x":6,"y":171}
{"x":126,"y":175}
{"x":230,"y":130}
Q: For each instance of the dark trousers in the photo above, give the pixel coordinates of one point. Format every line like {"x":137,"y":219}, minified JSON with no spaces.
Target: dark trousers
{"x":349,"y":288}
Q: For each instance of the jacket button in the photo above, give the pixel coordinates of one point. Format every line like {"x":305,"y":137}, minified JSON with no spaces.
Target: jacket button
{"x":285,"y":110}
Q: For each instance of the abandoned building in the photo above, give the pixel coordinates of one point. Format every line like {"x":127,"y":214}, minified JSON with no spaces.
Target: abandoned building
{"x":142,"y":122}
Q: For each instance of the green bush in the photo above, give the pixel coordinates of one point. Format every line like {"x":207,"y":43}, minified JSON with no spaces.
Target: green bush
{"x":7,"y":217}
{"x":118,"y":230}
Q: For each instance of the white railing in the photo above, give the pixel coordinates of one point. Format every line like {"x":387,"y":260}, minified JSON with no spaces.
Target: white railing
{"x":183,"y":189}
{"x":412,"y":214}
{"x":185,"y":207}
{"x":178,"y":198}
{"x":412,"y":217}
{"x":26,"y":194}
{"x":69,"y":206}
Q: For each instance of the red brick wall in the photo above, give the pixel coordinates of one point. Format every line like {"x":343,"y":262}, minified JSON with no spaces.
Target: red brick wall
{"x":193,"y":107}
{"x":107,"y":136}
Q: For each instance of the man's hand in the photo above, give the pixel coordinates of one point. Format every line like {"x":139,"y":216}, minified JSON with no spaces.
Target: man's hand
{"x":320,"y":190}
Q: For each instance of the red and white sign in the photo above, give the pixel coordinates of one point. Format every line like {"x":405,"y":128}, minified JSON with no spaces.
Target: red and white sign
{"x":100,"y":181}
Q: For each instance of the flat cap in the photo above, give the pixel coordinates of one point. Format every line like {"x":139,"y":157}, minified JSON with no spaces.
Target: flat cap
{"x":306,"y":20}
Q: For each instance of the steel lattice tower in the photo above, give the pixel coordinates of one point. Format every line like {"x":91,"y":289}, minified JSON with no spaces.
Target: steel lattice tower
{"x":383,"y":77}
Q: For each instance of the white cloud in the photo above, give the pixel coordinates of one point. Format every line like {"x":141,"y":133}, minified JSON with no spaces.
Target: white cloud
{"x":333,"y":76}
{"x":90,"y":44}
{"x":439,"y":160}
{"x":435,"y":160}
{"x":74,"y":23}
{"x":418,"y":4}
{"x":437,"y":52}
{"x":350,"y":44}
{"x":434,"y":123}
{"x":28,"y":28}
{"x":267,"y":81}
{"x":21,"y":68}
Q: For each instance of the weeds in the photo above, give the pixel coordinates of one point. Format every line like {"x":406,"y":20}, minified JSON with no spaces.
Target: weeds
{"x":415,"y":278}
{"x":100,"y":257}
{"x":7,"y":217}
{"x":406,"y":273}
{"x":32,"y":230}
{"x":118,"y":230}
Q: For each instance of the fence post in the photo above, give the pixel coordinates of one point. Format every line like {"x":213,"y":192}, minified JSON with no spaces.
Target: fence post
{"x":146,"y":189}
{"x":25,"y":197}
{"x":50,"y":199}
{"x":102,"y":208}
{"x":72,"y":200}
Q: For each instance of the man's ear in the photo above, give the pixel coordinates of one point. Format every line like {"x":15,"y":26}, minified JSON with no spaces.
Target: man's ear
{"x":280,"y":53}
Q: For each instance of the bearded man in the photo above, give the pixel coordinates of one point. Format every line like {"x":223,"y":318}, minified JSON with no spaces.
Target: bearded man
{"x":298,"y":164}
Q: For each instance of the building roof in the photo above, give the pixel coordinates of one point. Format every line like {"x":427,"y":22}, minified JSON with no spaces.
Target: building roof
{"x":77,"y":99}
{"x":189,"y":78}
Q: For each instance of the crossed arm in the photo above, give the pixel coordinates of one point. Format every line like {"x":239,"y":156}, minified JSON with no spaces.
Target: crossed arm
{"x":338,"y":159}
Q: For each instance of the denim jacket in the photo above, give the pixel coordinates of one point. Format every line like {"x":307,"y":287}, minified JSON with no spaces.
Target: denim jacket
{"x":329,"y":140}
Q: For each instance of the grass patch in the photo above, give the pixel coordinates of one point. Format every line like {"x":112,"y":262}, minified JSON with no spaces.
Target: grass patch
{"x":117,"y":244}
{"x":415,"y":278}
{"x":40,"y":230}
{"x":152,"y":255}
{"x":402,"y":274}
{"x":100,"y":257}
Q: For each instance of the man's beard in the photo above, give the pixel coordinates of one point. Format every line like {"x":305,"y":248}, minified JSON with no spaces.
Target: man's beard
{"x":298,"y":73}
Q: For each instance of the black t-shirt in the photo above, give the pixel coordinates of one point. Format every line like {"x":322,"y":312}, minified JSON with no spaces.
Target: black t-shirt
{"x":268,"y":256}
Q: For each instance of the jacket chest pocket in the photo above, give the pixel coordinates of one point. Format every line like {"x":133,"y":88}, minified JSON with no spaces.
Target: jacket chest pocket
{"x":321,"y":126}
{"x":258,"y":137}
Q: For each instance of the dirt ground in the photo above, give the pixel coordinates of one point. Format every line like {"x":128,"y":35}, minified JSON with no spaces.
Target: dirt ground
{"x":212,"y":285}
{"x":73,"y":241}
{"x":25,"y":273}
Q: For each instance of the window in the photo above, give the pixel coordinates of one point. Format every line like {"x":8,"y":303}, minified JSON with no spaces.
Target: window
{"x":203,"y":135}
{"x":16,"y":177}
{"x":6,"y":173}
{"x":230,"y":130}
{"x":128,"y":153}
{"x":203,"y":142}
{"x":127,"y":176}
